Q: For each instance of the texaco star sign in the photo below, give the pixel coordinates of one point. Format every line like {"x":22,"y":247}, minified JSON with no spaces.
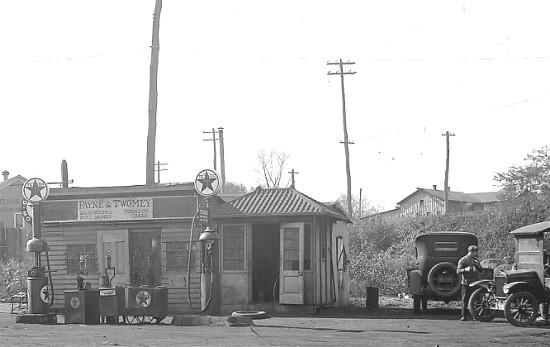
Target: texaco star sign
{"x":35,"y":190}
{"x":207,"y":182}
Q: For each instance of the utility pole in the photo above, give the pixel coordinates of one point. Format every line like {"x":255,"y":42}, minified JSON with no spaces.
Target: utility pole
{"x":153,"y":96}
{"x":158,"y":169}
{"x":222,"y":157}
{"x":213,"y":139}
{"x":346,"y":142}
{"x":446,"y":186}
{"x":360,"y":202}
{"x":293,"y":182}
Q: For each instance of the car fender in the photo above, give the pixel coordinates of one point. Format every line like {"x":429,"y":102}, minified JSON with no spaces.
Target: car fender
{"x":513,"y":287}
{"x":487,"y":284}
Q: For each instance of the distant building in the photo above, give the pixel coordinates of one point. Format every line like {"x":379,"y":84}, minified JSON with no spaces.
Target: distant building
{"x":426,"y":202}
{"x":13,"y":230}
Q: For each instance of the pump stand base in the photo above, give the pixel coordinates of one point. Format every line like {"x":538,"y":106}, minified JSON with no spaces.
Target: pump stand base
{"x":37,"y":318}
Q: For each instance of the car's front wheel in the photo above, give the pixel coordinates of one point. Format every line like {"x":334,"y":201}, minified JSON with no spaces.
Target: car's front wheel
{"x":481,"y":305}
{"x":521,"y":308}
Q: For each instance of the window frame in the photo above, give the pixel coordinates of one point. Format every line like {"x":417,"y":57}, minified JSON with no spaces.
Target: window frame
{"x":245,"y":248}
{"x":68,"y":260}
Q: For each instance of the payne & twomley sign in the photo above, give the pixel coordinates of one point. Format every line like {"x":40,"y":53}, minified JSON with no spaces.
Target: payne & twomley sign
{"x":115,"y":209}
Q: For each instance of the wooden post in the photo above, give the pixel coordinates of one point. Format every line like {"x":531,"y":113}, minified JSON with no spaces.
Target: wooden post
{"x":153,"y":97}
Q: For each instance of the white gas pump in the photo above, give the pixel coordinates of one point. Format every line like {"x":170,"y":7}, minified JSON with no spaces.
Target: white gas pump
{"x":208,"y":241}
{"x":39,"y":287}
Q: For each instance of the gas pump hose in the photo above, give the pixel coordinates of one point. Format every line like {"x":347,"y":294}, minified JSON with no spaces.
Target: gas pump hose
{"x":49,"y":272}
{"x":189,"y":260}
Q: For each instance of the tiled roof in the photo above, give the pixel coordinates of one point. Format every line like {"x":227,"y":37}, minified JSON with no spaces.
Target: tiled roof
{"x":276,"y":202}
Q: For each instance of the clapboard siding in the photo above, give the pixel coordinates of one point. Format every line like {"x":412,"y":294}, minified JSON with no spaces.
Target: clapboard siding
{"x":59,"y":237}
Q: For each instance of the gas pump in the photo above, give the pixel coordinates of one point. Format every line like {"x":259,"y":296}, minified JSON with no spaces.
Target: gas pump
{"x":109,"y":300}
{"x":208,"y":242}
{"x":106,"y":280}
{"x":39,"y":287}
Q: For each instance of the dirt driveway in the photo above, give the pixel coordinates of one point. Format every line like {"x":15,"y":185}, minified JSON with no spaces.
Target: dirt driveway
{"x":386,"y":326}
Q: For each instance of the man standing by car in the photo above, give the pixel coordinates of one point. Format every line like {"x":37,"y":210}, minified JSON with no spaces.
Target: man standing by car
{"x":470,"y":269}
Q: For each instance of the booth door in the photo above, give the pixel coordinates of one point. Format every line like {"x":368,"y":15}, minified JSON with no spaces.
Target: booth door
{"x":115,"y":241}
{"x":291,"y":288}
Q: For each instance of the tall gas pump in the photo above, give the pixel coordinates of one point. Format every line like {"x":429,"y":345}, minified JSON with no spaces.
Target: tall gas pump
{"x":207,"y":185}
{"x":39,"y":287}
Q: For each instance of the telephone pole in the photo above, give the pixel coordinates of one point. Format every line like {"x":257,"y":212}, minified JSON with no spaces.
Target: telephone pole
{"x":446,"y":186}
{"x":222,"y":157}
{"x":153,"y":96}
{"x":293,"y":182}
{"x":158,"y":170}
{"x":213,"y":139}
{"x":346,"y":142}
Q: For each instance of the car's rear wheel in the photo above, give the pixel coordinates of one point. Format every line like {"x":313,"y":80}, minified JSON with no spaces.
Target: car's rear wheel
{"x":521,"y":308}
{"x":481,"y":305}
{"x":443,"y":280}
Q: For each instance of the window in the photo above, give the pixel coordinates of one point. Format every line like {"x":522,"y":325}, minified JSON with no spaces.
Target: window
{"x":445,"y":246}
{"x":177,"y":254}
{"x":82,"y":259}
{"x":233,"y":247}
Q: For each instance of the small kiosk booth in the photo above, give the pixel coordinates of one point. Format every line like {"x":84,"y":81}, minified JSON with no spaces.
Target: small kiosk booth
{"x":281,"y":251}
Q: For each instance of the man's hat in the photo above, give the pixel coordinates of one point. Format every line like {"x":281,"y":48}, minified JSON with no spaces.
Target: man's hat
{"x":472,"y":248}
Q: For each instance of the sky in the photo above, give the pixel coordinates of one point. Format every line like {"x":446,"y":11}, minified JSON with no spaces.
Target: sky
{"x":75,"y":86}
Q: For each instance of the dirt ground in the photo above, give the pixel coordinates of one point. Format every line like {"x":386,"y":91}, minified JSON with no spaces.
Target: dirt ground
{"x":392,"y":324}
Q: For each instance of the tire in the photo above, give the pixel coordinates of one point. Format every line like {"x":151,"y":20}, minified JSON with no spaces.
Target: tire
{"x":424,"y":304}
{"x":250,"y":314}
{"x":521,"y":308}
{"x":443,"y":290}
{"x":481,"y":305}
{"x":416,"y":303}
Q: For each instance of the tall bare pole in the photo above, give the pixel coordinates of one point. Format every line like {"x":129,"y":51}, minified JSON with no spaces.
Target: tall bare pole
{"x":153,"y":96}
{"x":346,"y":142}
{"x":222,"y":157}
{"x":446,"y":186}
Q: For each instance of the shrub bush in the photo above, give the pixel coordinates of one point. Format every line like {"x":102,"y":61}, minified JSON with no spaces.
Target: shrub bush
{"x":13,"y":277}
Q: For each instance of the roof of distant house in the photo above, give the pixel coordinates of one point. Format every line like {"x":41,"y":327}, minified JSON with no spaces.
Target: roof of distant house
{"x":11,"y":181}
{"x":458,"y":196}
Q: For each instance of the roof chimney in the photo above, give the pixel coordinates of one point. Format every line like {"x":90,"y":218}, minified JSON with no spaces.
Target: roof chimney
{"x":6,"y":174}
{"x":435,"y":186}
{"x":64,"y":174}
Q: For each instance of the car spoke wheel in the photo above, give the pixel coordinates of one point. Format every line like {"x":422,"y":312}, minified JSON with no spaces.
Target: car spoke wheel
{"x":481,"y":305}
{"x":521,"y":308}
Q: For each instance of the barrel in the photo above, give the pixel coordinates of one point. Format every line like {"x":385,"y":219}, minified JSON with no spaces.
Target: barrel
{"x":372,"y":297}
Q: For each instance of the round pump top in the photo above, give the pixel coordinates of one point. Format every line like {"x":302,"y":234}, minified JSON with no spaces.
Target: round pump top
{"x":36,"y":245}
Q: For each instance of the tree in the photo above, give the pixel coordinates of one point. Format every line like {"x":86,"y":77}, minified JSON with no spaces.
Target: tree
{"x":532,"y":177}
{"x":366,"y":207}
{"x":235,"y":188}
{"x":272,"y":166}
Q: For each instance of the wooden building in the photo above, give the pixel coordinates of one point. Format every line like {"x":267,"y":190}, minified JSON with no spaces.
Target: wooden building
{"x":276,"y":246}
{"x":281,"y":250}
{"x":146,"y":228}
{"x":426,"y":202}
{"x":13,"y":229}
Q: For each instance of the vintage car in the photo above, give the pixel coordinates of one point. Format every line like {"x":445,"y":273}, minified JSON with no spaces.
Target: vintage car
{"x":520,"y":291}
{"x":435,"y":277}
